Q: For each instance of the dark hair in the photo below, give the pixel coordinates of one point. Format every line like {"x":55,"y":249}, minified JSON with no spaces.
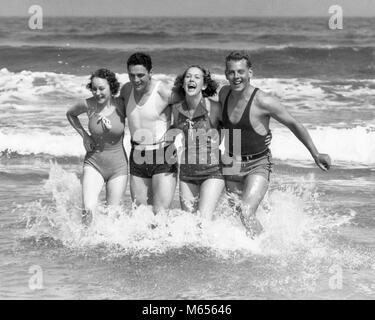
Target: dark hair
{"x":207,"y":80}
{"x":237,"y":56}
{"x":140,"y":58}
{"x":110,"y":76}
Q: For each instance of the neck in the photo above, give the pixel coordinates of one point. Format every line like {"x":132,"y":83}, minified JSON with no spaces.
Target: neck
{"x":193,"y":101}
{"x":102,"y":106}
{"x":146,"y":90}
{"x":244,"y":92}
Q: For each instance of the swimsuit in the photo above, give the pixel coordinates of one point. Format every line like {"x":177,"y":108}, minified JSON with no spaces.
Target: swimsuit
{"x":150,"y":153}
{"x":109,"y":156}
{"x":200,"y":159}
{"x":255,"y":157}
{"x":240,"y":168}
{"x":146,"y":163}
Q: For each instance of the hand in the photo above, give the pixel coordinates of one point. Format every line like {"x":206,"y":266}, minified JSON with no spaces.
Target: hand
{"x":323,"y":161}
{"x":268,"y":139}
{"x":88,"y":143}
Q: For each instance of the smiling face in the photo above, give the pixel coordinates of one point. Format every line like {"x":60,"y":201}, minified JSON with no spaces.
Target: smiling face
{"x":100,"y":90}
{"x":238,"y":74}
{"x":139,"y":77}
{"x":194,"y":81}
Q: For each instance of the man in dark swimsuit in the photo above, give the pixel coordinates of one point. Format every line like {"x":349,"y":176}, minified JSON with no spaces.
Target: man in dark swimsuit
{"x":248,"y":109}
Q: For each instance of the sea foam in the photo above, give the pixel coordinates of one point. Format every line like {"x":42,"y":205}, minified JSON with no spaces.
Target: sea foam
{"x":351,"y":146}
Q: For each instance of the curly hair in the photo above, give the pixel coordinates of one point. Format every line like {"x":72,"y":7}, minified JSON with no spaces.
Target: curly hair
{"x":107,"y":74}
{"x":211,"y":85}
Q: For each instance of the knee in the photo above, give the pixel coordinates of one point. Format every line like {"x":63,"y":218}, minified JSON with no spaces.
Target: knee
{"x":89,"y":200}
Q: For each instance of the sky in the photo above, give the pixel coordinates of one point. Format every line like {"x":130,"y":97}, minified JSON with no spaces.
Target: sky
{"x":253,"y":8}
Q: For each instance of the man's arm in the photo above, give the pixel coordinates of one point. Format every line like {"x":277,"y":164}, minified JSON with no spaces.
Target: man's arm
{"x":125,"y":93}
{"x":169,"y":95}
{"x":272,"y":107}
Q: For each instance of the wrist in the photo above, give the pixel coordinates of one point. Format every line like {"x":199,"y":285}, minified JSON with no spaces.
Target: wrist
{"x":315,"y":155}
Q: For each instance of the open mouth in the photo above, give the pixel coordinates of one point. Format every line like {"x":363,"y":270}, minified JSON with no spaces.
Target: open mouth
{"x":237,"y":82}
{"x":191,"y":86}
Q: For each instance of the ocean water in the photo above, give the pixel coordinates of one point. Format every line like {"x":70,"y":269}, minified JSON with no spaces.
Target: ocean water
{"x":319,"y":240}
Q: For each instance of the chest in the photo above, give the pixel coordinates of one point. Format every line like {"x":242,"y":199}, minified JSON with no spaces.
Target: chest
{"x":148,"y":108}
{"x":141,"y":99}
{"x":112,"y":124}
{"x":237,"y":109}
{"x":185,"y":123}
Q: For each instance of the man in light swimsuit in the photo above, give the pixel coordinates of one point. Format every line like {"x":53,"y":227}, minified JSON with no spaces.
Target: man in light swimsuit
{"x":153,"y":167}
{"x":250,"y":110}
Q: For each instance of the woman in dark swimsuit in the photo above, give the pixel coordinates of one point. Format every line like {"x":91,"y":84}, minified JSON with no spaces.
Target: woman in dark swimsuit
{"x":201,"y":179}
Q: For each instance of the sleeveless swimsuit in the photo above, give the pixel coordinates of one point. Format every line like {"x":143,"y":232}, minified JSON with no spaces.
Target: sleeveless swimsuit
{"x":255,"y":157}
{"x":150,"y":153}
{"x":109,"y":156}
{"x":200,"y":159}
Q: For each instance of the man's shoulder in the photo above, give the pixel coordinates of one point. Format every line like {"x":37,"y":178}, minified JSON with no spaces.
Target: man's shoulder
{"x":264,"y":100}
{"x":125,"y":90}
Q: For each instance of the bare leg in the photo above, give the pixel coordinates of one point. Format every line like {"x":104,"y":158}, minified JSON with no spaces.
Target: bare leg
{"x":163,"y":188}
{"x":140,"y":190}
{"x":252,"y":192}
{"x":92,"y":183}
{"x":210,"y":192}
{"x":115,"y":190}
{"x":189,"y":196}
{"x":255,"y":188}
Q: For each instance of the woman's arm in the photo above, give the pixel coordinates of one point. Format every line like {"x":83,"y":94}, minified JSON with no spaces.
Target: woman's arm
{"x":72,"y":115}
